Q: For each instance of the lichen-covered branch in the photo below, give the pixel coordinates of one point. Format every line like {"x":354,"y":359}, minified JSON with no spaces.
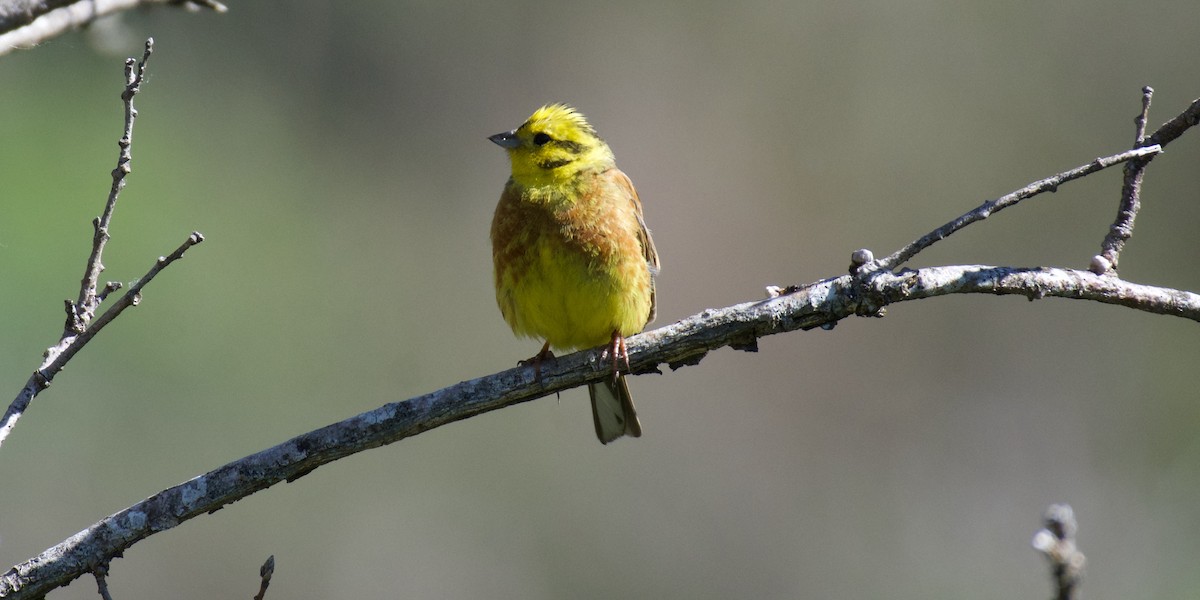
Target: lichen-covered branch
{"x":686,"y":342}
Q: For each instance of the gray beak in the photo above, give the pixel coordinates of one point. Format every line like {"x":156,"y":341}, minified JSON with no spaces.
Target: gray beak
{"x":508,"y":139}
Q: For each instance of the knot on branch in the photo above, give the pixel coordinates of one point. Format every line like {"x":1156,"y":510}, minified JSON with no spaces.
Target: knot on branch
{"x":866,"y":299}
{"x":78,"y":317}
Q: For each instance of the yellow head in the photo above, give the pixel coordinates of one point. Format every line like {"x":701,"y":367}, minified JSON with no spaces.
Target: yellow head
{"x":553,"y":147}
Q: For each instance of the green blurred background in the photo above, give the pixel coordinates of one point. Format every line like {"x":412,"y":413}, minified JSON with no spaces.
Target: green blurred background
{"x":335,"y":156}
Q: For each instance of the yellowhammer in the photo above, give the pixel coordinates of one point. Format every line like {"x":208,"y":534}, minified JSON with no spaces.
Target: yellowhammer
{"x":574,"y":262}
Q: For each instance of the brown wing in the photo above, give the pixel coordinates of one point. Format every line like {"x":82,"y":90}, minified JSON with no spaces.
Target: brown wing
{"x":648,"y":251}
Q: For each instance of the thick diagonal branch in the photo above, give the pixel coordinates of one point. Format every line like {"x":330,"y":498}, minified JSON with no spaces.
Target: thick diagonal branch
{"x":686,"y":342}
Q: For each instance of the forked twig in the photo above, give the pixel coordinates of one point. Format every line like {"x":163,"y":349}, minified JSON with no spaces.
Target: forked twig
{"x":987,"y":209}
{"x":81,"y":323}
{"x":1131,"y":197}
{"x":81,"y":313}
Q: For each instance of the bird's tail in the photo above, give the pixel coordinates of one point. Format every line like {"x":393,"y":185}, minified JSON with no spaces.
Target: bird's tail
{"x":612,"y":409}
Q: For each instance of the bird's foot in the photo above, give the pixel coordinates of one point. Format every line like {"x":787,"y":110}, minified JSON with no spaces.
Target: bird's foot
{"x":536,"y":361}
{"x":616,"y":348}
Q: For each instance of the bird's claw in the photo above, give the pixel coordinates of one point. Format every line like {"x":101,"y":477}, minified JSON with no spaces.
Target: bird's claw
{"x":535,"y":361}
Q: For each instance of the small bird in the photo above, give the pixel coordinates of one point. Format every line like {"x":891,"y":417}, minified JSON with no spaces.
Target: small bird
{"x":574,"y":262}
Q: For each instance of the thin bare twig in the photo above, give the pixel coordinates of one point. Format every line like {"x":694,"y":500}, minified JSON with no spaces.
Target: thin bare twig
{"x":1056,"y":541}
{"x":101,"y":573}
{"x":265,"y":572}
{"x":1171,"y":130}
{"x":41,"y":20}
{"x":1140,"y":120}
{"x":79,"y":315}
{"x":58,"y":356}
{"x":1122,"y":229}
{"x":1146,"y":148}
{"x":1131,"y":197}
{"x":81,"y":324}
{"x":985,"y":210}
{"x":131,"y":297}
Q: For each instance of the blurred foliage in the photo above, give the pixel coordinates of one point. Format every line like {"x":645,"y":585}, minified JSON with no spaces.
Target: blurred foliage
{"x":334,"y":155}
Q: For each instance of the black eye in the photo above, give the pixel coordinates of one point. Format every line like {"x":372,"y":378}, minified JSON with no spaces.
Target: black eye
{"x":540,"y":139}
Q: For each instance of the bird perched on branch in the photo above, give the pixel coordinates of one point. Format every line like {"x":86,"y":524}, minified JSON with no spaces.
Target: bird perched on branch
{"x":574,"y":262}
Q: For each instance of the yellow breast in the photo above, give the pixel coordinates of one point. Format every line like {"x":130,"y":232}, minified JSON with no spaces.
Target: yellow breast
{"x":571,"y":268}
